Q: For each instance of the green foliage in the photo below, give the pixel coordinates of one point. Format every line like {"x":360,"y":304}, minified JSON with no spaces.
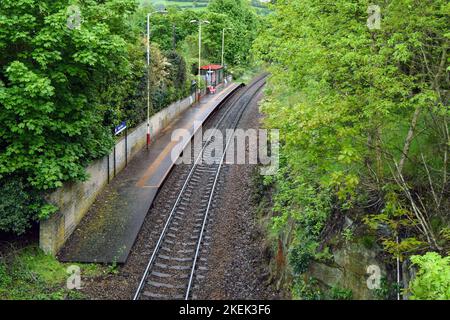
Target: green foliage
{"x":338,"y":293}
{"x":29,"y":274}
{"x":50,"y":108}
{"x":177,"y":73}
{"x":296,"y":201}
{"x":394,"y":215}
{"x":174,"y":31}
{"x":243,"y":24}
{"x":19,"y":206}
{"x":344,"y":98}
{"x":387,"y":290}
{"x":300,"y":259}
{"x":167,"y":30}
{"x":306,"y":289}
{"x":404,"y":247}
{"x":63,"y":89}
{"x":347,"y":234}
{"x":432,"y":281}
{"x":368,"y":241}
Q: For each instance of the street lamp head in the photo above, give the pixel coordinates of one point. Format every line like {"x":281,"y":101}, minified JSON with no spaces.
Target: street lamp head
{"x":199,"y":21}
{"x":158,"y":11}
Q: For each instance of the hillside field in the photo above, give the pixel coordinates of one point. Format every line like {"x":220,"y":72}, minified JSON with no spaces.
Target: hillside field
{"x":201,"y":4}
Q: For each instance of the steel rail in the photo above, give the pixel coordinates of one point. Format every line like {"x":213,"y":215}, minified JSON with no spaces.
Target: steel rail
{"x":187,"y":180}
{"x":161,"y":237}
{"x":211,"y":195}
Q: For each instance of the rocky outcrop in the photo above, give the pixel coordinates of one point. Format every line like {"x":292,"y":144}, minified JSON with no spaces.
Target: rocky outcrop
{"x":349,"y":270}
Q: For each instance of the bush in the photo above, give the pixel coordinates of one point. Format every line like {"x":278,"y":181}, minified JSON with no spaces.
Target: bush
{"x":177,"y":74}
{"x":51,"y":105}
{"x":18,"y":206}
{"x":338,"y":293}
{"x":30,"y":274}
{"x":300,"y":259}
{"x":306,"y":289}
{"x":432,"y":281}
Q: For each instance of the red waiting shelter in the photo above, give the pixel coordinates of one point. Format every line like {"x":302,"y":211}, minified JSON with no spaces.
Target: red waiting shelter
{"x":212,"y":73}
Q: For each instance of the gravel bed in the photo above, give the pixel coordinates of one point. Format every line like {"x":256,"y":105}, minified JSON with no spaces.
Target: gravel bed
{"x":237,"y":265}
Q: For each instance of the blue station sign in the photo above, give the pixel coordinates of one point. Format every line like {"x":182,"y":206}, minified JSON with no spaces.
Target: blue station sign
{"x":122,"y":126}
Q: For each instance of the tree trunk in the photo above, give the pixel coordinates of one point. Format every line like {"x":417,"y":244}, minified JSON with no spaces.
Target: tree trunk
{"x":409,"y":139}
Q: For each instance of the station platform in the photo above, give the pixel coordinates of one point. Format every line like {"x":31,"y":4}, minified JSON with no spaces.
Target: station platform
{"x":115,"y":219}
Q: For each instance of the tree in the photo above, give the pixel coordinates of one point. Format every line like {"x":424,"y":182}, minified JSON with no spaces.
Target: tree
{"x":51,"y":77}
{"x":20,"y":206}
{"x":364,"y":114}
{"x":432,"y":281}
{"x":57,"y":64}
{"x":243,"y":24}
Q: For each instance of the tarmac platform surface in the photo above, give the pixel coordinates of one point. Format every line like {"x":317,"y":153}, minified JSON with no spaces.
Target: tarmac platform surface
{"x":115,"y":220}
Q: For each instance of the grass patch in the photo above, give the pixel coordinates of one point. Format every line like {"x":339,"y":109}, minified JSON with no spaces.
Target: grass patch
{"x":198,"y":5}
{"x":30,"y":274}
{"x":181,"y":4}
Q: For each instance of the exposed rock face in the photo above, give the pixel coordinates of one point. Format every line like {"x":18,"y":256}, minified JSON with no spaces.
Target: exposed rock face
{"x":349,"y":270}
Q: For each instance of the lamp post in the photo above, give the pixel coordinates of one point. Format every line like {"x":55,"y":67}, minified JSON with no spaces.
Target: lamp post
{"x":223,"y":43}
{"x":148,"y":72}
{"x":200,"y":22}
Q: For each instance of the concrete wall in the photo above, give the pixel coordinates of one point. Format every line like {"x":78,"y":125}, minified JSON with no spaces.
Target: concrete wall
{"x":75,"y":199}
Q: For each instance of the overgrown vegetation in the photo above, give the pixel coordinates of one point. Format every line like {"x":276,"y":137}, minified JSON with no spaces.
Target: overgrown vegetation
{"x":363,"y":116}
{"x":72,"y":70}
{"x":29,"y":274}
{"x":20,"y":206}
{"x":433,"y":278}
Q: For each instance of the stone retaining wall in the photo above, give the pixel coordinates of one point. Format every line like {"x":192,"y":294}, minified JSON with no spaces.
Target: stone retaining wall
{"x":75,"y":199}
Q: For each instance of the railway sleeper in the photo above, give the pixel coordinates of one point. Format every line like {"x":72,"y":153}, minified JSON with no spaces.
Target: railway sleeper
{"x":188,"y":244}
{"x":165,"y":285}
{"x":184,"y":259}
{"x":169,"y":276}
{"x":171,"y":267}
{"x":156,"y":295}
{"x":188,"y":251}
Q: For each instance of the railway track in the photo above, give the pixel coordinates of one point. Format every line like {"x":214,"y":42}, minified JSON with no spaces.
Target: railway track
{"x":175,"y":261}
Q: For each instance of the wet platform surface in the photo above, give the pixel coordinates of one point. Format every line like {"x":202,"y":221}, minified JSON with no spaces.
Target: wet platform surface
{"x":114,"y":220}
